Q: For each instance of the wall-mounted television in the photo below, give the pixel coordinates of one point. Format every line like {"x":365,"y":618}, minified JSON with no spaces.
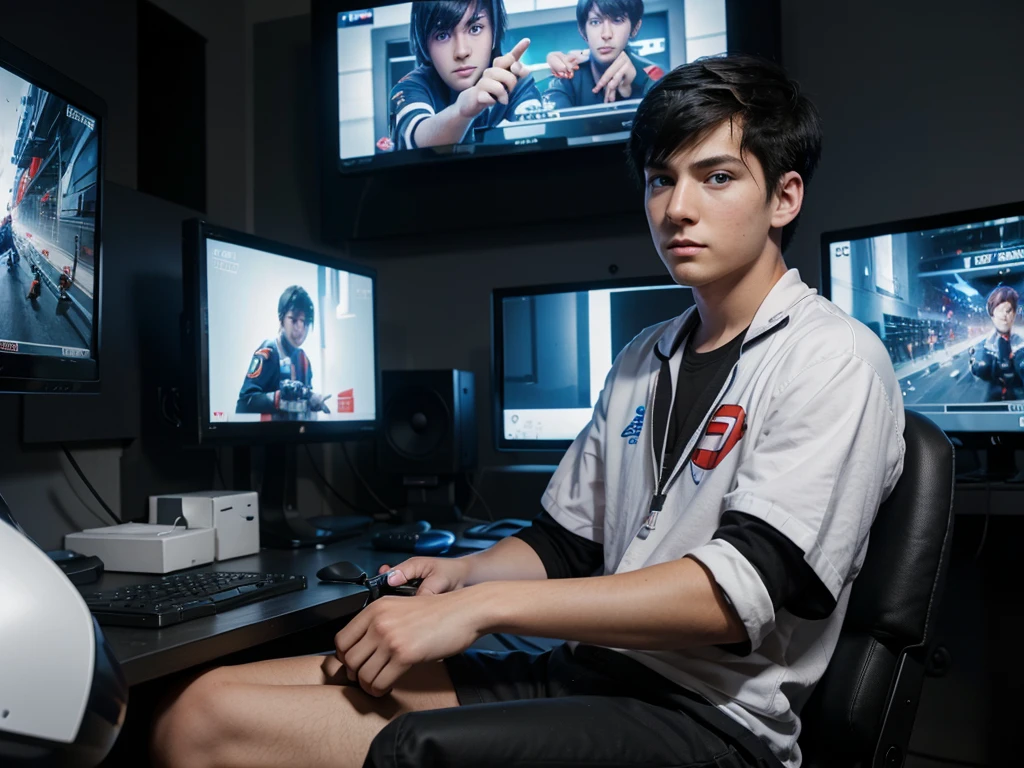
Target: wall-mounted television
{"x":443,"y":102}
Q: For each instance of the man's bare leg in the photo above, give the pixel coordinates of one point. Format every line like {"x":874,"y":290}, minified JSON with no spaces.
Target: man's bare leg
{"x":286,"y":712}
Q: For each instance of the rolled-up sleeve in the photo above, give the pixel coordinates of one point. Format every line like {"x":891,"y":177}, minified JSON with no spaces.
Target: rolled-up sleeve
{"x":829,"y":452}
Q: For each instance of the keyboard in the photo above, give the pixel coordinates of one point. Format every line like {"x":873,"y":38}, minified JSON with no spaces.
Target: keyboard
{"x":186,"y":596}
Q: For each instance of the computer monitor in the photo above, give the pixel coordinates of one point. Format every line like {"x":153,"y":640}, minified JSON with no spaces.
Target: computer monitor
{"x":51,"y":181}
{"x":281,"y":342}
{"x":943,"y":294}
{"x":552,"y":347}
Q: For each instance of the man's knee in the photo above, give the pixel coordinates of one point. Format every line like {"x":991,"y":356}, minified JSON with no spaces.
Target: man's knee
{"x":429,"y":738}
{"x":188,"y":730}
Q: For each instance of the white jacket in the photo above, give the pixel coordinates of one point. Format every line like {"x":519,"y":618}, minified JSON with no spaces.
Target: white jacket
{"x":806,"y":434}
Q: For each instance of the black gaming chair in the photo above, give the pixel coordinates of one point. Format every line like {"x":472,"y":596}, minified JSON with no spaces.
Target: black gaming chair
{"x":862,"y":711}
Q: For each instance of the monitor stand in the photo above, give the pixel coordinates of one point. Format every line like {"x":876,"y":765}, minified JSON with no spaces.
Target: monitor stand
{"x":282,"y":526}
{"x":430,"y":498}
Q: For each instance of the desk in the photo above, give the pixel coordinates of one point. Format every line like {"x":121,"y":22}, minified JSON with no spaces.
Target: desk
{"x":147,"y":654}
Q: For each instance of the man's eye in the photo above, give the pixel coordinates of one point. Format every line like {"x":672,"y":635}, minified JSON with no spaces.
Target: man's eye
{"x":441,"y":36}
{"x":476,"y":29}
{"x":660,"y":181}
{"x":719,"y":178}
{"x":618,"y":20}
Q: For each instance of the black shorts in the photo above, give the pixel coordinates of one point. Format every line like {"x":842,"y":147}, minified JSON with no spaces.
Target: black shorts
{"x":594,"y":707}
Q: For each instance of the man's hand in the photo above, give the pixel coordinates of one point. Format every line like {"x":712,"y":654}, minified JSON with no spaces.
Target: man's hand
{"x":495,"y":84}
{"x":439,"y":574}
{"x":564,"y":65}
{"x":617,"y":80}
{"x":392,"y":634}
{"x":318,"y":402}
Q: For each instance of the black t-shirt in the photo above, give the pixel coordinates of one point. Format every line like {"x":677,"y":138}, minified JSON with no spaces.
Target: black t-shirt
{"x":701,"y":377}
{"x":789,"y":580}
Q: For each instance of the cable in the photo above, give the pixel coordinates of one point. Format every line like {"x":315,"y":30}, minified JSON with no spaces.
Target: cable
{"x":490,"y":515}
{"x":344,"y":452}
{"x":220,"y":470}
{"x":88,"y":485}
{"x":330,"y":487}
{"x":984,"y":534}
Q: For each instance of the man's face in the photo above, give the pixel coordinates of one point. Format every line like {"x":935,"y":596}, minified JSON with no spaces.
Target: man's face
{"x":606,"y":36}
{"x":295,"y":328}
{"x":460,"y":55}
{"x":1003,"y":316}
{"x":707,"y":211}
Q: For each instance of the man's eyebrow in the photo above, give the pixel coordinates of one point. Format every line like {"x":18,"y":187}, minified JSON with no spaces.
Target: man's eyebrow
{"x":476,"y":17}
{"x":711,"y":162}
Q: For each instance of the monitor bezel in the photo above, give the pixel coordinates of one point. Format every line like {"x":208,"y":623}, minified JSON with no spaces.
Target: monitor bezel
{"x":28,"y":373}
{"x":980,"y":438}
{"x":739,"y":36}
{"x":501,"y":443}
{"x":199,"y":428}
{"x":360,"y":198}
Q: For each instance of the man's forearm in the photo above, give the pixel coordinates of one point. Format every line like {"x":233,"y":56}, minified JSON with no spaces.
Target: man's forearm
{"x":446,"y":127}
{"x":510,"y":559}
{"x":667,"y":606}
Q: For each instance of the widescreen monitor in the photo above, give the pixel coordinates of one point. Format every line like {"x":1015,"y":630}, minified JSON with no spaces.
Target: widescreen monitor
{"x":51,"y":145}
{"x":407,"y":74}
{"x":944,"y":296}
{"x":553,"y":346}
{"x":281,"y":341}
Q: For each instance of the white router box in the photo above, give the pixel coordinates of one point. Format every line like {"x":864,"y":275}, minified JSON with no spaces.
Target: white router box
{"x":234,"y":516}
{"x":142,"y":548}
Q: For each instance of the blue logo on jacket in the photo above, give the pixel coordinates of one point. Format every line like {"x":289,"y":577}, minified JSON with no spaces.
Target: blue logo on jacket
{"x":635,"y":426}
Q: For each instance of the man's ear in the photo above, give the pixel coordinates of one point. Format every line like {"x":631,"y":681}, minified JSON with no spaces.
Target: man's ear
{"x":788,"y":199}
{"x":636,"y":29}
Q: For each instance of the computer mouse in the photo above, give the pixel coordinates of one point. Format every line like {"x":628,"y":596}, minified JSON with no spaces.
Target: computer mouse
{"x":344,"y":572}
{"x":431,"y":542}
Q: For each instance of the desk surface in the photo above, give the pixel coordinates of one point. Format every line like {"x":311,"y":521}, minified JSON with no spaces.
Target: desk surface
{"x":146,"y":654}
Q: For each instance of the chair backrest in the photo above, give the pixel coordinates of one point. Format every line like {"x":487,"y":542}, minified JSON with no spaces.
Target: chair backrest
{"x":862,"y":711}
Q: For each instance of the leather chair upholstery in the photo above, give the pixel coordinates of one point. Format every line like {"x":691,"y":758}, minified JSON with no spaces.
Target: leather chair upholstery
{"x":862,"y":711}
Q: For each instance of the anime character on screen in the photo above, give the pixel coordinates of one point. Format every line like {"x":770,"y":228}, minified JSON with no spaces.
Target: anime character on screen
{"x":1002,"y":355}
{"x":607,"y":71}
{"x":278,"y":384}
{"x":462,"y":81}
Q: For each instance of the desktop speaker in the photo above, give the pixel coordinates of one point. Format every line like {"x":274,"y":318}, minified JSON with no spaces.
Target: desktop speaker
{"x":428,"y":425}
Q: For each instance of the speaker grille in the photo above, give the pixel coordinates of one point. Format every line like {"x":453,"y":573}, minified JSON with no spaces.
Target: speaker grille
{"x":416,"y":422}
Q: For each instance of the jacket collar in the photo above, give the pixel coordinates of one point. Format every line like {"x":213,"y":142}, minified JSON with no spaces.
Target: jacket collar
{"x":771,"y":316}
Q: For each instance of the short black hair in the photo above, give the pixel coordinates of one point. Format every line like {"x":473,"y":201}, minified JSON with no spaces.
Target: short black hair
{"x":429,"y":18}
{"x":781,"y":127}
{"x":295,"y":299}
{"x":630,"y":9}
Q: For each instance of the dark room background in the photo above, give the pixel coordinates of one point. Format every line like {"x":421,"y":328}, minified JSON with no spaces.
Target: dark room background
{"x":922,"y":111}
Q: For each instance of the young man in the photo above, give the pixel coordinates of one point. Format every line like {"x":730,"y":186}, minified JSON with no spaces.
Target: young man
{"x":279,"y":381}
{"x":463,"y":82}
{"x":1001,"y":362}
{"x":610,"y":72}
{"x":728,"y":536}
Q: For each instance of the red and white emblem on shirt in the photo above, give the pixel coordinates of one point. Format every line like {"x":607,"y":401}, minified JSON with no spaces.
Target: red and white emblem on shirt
{"x":724,"y":430}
